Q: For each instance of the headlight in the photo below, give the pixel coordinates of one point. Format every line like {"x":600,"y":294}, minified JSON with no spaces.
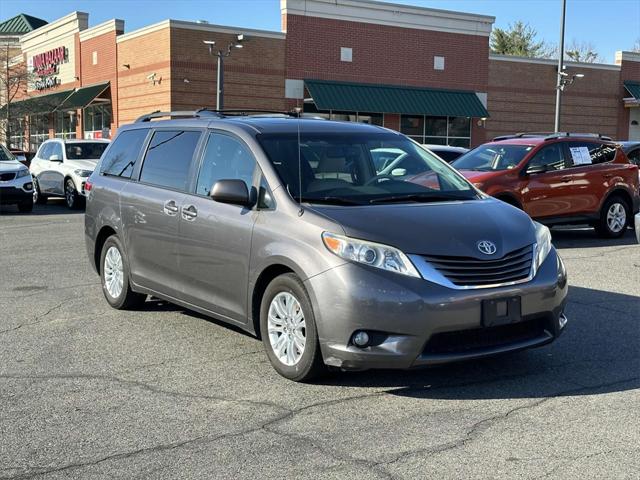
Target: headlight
{"x":370,"y":253}
{"x":543,"y":245}
{"x":22,"y":173}
{"x":83,"y":173}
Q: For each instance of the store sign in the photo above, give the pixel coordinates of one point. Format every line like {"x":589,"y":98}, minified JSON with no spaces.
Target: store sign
{"x":46,"y":66}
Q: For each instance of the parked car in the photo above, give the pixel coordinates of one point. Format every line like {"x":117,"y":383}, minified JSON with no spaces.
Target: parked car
{"x":61,"y":167}
{"x":632,"y":150}
{"x":21,"y":156}
{"x":337,"y":264}
{"x":558,"y":179}
{"x":445,"y":152}
{"x":16,"y":184}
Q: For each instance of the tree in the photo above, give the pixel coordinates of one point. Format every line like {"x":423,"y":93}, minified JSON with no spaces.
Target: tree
{"x":14,"y":79}
{"x":636,"y":46}
{"x":582,"y":52}
{"x":519,"y":39}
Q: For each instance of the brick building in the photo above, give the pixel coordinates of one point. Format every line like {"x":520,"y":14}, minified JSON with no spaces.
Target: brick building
{"x":425,"y":72}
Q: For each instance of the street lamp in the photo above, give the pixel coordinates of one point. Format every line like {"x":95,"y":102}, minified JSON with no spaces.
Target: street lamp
{"x":222,"y":54}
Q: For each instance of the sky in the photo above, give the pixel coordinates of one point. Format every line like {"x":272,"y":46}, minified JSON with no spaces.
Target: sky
{"x":609,"y":25}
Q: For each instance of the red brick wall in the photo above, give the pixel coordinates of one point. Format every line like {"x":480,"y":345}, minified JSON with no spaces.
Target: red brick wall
{"x":522,"y":98}
{"x":384,"y":54}
{"x":106,"y":68}
{"x":253,"y":75}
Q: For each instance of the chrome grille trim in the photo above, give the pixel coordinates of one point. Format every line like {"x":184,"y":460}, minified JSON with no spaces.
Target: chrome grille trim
{"x":463,"y":273}
{"x":7,"y":177}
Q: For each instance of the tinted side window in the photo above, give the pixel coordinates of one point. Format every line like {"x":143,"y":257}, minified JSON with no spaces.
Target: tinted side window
{"x":123,"y":153}
{"x":225,"y":158}
{"x":56,"y":149}
{"x":45,"y":151}
{"x":634,"y":156}
{"x":550,"y":156}
{"x":168,"y":158}
{"x":598,"y":153}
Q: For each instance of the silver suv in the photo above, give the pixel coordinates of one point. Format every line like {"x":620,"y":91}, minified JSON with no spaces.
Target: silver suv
{"x":285,"y":227}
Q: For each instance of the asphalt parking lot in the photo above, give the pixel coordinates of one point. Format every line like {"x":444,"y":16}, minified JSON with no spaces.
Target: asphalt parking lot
{"x":90,"y":392}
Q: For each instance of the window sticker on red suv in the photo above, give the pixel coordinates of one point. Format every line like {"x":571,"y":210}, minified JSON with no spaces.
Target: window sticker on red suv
{"x":580,"y":155}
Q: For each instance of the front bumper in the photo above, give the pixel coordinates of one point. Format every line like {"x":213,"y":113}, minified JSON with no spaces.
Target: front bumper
{"x":421,"y":323}
{"x":16,"y":192}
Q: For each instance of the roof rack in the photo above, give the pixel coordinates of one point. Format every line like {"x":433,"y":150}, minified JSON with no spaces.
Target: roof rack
{"x":206,"y":112}
{"x":550,"y":135}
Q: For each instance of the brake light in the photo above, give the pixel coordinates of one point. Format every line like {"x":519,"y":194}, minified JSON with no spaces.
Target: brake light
{"x":87,"y":186}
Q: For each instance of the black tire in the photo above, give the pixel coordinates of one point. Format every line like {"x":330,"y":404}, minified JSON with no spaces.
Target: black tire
{"x":603,"y":227}
{"x":71,"y":196}
{"x":26,"y":206}
{"x":127,"y":299}
{"x":38,"y":197}
{"x":310,"y":364}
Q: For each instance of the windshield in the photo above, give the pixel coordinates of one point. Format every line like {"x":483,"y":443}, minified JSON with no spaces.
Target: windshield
{"x":361,"y":169}
{"x":492,"y":157}
{"x":6,"y":155}
{"x":85,"y":150}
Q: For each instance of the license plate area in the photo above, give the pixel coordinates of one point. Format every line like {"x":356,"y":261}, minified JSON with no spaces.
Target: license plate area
{"x":501,"y":311}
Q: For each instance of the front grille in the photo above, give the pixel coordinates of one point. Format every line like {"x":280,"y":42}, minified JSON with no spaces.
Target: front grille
{"x":471,"y":272}
{"x":478,"y":339}
{"x":5,"y":177}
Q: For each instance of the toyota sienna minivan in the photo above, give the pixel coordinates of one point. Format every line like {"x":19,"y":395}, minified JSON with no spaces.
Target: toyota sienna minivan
{"x":287,"y":228}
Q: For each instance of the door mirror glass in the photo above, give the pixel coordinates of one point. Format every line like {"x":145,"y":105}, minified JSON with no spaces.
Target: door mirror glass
{"x":55,"y":158}
{"x":398,"y":172}
{"x":231,"y":191}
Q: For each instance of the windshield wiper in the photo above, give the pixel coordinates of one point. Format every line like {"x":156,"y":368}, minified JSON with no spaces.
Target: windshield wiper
{"x":421,"y":197}
{"x":329,"y":200}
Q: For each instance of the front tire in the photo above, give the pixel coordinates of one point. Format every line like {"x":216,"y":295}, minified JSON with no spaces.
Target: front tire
{"x":614,"y":218}
{"x":114,"y":276}
{"x":38,"y":197}
{"x":288,"y":329}
{"x":71,"y":196}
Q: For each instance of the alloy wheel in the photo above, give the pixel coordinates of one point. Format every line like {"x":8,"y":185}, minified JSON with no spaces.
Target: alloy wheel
{"x":286,"y":328}
{"x":616,"y":217}
{"x":69,"y":194}
{"x":113,"y":272}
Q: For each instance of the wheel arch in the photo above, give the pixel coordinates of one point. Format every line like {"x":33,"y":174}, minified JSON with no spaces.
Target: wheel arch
{"x":620,"y":192}
{"x":262,"y":281}
{"x":104,"y":233}
{"x":509,"y":198}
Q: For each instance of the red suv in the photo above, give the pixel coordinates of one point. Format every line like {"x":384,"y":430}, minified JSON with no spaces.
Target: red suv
{"x":560,"y":178}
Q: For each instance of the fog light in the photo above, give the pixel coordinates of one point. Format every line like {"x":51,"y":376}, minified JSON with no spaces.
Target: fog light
{"x":360,"y":339}
{"x":562,"y":321}
{"x":28,"y":186}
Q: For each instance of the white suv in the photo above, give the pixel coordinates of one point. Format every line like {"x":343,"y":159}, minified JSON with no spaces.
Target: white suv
{"x":61,"y":167}
{"x":16,"y":185}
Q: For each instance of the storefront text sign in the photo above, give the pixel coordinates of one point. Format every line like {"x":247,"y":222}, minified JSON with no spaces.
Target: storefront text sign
{"x":45,"y":65}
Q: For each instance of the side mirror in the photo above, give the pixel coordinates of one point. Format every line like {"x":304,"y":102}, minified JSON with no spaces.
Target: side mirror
{"x":533,"y":169}
{"x":55,"y":158}
{"x":231,"y":191}
{"x":398,"y":172}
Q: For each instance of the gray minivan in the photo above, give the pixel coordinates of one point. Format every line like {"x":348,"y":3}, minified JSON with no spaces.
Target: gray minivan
{"x":287,"y":228}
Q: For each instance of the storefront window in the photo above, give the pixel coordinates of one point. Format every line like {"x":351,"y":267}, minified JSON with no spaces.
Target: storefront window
{"x":38,"y":130}
{"x":65,"y":124}
{"x":371,"y":118}
{"x":453,"y":131}
{"x":362,"y":117}
{"x":17,"y":138}
{"x":97,"y":121}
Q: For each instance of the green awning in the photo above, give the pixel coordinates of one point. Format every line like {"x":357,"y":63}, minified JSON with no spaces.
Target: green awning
{"x":37,"y":104}
{"x":365,"y":97}
{"x":83,"y":96}
{"x":633,"y":88}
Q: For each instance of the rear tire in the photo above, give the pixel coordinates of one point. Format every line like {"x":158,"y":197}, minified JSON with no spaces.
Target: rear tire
{"x":26,"y":206}
{"x":614,"y":218}
{"x":114,"y":276}
{"x":286,"y":323}
{"x":71,"y":196}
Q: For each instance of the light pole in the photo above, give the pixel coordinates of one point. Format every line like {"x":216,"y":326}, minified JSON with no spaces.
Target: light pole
{"x":222,"y":54}
{"x":559,"y":86}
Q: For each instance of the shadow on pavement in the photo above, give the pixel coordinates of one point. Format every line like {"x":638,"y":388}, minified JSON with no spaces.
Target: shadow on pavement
{"x":586,"y":237}
{"x":52,"y":207}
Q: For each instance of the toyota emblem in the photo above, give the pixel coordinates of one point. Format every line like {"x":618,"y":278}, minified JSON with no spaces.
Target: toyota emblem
{"x":486,"y":247}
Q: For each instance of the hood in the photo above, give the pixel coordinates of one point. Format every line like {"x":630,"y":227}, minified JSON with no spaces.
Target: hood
{"x":82,"y":164}
{"x":443,"y":228}
{"x":10,"y":166}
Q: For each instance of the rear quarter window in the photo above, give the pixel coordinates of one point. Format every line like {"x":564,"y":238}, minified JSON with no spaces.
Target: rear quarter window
{"x":120,"y":159}
{"x":597,"y":153}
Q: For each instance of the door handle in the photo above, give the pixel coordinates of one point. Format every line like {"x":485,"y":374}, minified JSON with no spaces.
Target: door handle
{"x":566,"y":178}
{"x":189,"y":212}
{"x":170,"y":208}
